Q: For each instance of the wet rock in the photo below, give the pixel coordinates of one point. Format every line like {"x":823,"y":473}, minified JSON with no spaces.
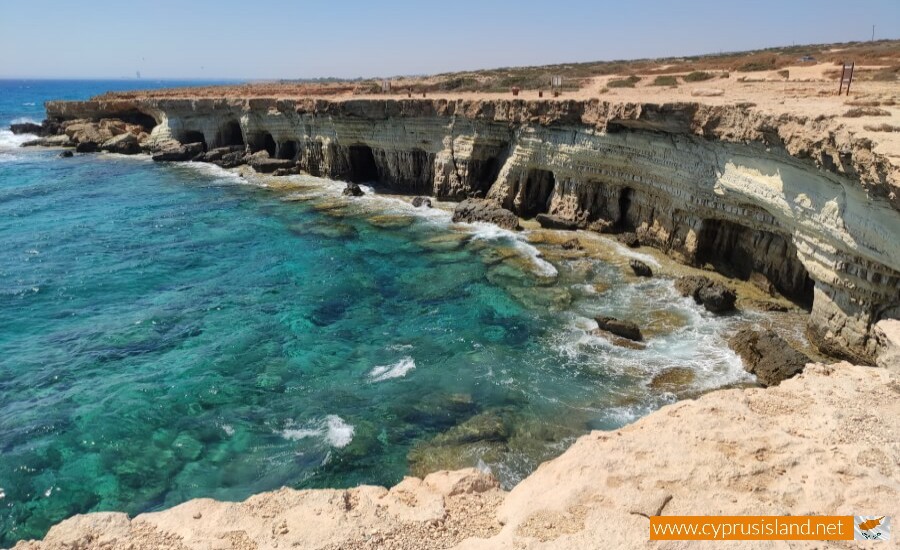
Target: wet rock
{"x":87,"y":147}
{"x":26,"y":128}
{"x":481,"y":210}
{"x":673,"y":380}
{"x":572,"y":244}
{"x":66,"y":154}
{"x":353,"y":190}
{"x":294,"y":170}
{"x":715,"y":297}
{"x":217,"y":154}
{"x":625,"y":329}
{"x":768,"y":356}
{"x":232,"y":160}
{"x":177,"y":152}
{"x":629,"y":239}
{"x":555,"y":222}
{"x":124,"y":144}
{"x":421,"y":201}
{"x":640,"y":268}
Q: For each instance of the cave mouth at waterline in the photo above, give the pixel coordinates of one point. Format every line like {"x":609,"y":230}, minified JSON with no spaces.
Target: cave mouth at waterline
{"x":230,"y":135}
{"x":363,"y":168}
{"x":288,"y":150}
{"x":194,"y":136}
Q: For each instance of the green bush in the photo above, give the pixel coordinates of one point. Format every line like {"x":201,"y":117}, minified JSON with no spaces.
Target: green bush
{"x":624,"y":83}
{"x":697,"y":76}
{"x":664,"y":80}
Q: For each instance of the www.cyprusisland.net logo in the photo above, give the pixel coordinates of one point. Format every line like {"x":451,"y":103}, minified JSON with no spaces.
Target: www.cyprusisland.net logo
{"x":871,"y":528}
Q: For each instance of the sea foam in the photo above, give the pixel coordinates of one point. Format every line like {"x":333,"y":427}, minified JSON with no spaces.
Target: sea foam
{"x":332,"y":429}
{"x":397,"y":370}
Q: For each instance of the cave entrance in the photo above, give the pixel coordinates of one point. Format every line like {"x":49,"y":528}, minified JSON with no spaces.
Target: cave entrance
{"x":193,"y":136}
{"x":484,"y":167}
{"x":230,"y":134}
{"x":145,"y":121}
{"x":534,"y":197}
{"x":739,"y":251}
{"x":624,"y":207}
{"x":269,"y":144}
{"x":362,"y":164}
{"x":288,"y":150}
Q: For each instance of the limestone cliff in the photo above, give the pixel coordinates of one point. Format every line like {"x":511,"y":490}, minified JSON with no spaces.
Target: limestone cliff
{"x":796,"y":200}
{"x":816,"y":444}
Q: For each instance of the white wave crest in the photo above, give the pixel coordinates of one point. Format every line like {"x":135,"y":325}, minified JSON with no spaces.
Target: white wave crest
{"x":333,"y":429}
{"x":397,"y":370}
{"x":490,"y":232}
{"x":9,"y":140}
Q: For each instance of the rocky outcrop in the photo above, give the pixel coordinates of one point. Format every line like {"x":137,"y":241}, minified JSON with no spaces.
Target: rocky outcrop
{"x":475,"y":210}
{"x":797,"y":201}
{"x":640,"y":268}
{"x":353,"y":190}
{"x":177,"y":152}
{"x":715,"y":297}
{"x":419,"y":202}
{"x":625,"y":329}
{"x":768,"y":356}
{"x":816,"y":444}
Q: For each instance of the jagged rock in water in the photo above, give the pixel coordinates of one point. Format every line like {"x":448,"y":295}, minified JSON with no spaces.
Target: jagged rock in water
{"x":482,"y":210}
{"x":26,"y":128}
{"x":768,"y":356}
{"x":421,"y":201}
{"x":629,"y":239}
{"x":572,"y":244}
{"x":555,"y":222}
{"x":124,"y":144}
{"x":174,"y":153}
{"x":267,"y":165}
{"x":66,"y":154}
{"x":640,"y":268}
{"x":715,"y":297}
{"x":353,"y":190}
{"x":625,"y":329}
{"x":217,"y":154}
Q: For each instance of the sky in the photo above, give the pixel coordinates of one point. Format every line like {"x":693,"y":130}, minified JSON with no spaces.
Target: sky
{"x":216,"y":39}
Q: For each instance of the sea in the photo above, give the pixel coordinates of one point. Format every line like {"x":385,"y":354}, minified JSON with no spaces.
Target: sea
{"x":175,"y":331}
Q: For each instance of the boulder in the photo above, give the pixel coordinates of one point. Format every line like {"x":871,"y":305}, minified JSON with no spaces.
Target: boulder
{"x":26,"y":128}
{"x":572,"y":244}
{"x":232,"y":160}
{"x":87,"y":147}
{"x":421,"y":201}
{"x":625,"y":329}
{"x":767,"y":355}
{"x":219,"y":152}
{"x":66,"y":154}
{"x":353,"y":190}
{"x":555,"y":222}
{"x":715,"y":297}
{"x":482,"y":210}
{"x":629,"y":239}
{"x":267,"y":165}
{"x":286,"y":171}
{"x":174,"y":153}
{"x":640,"y":268}
{"x":124,"y":144}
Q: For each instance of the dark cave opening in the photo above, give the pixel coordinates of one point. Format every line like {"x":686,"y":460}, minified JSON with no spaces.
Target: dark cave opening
{"x":230,"y":134}
{"x":193,"y":136}
{"x":362,"y":164}
{"x":269,"y":144}
{"x":288,"y":150}
{"x":739,"y":251}
{"x":624,"y":205}
{"x":535,"y":196}
{"x":145,"y":121}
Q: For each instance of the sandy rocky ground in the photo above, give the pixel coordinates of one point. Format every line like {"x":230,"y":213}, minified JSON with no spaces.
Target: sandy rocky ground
{"x":821,"y":443}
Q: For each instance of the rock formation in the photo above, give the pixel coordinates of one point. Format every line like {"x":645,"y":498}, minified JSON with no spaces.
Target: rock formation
{"x":625,"y":329}
{"x":715,"y":297}
{"x":797,"y":201}
{"x":816,"y":444}
{"x":768,"y":356}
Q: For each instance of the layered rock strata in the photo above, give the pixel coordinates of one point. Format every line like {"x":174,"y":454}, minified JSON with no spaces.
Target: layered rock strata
{"x":798,"y":202}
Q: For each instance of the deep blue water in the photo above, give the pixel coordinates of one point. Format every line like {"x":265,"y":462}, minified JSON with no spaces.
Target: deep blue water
{"x":174,"y":331}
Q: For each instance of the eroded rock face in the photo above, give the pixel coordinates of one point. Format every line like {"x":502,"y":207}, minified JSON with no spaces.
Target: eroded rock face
{"x":798,"y":202}
{"x":768,"y":356}
{"x":478,"y":210}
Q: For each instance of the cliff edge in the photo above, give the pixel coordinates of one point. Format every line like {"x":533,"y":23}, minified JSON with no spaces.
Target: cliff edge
{"x":820,"y":443}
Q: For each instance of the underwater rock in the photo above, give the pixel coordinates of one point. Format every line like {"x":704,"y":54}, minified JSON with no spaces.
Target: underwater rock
{"x":673,"y":380}
{"x":572,"y":244}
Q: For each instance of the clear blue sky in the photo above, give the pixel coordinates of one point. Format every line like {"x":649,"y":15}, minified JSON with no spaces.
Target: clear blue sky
{"x":349,"y":38}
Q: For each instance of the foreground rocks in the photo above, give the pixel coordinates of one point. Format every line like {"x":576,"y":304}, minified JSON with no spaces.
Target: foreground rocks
{"x":625,"y":329}
{"x":768,"y":356}
{"x":715,"y":297}
{"x":177,"y":152}
{"x":480,"y":210}
{"x":806,"y":446}
{"x":352,"y":190}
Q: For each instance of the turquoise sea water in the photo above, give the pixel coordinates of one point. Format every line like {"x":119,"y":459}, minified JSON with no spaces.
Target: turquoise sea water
{"x":175,"y":331}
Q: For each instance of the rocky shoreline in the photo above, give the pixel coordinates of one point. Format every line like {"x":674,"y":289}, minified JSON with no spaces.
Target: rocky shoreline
{"x":816,"y":444}
{"x":794,"y":204}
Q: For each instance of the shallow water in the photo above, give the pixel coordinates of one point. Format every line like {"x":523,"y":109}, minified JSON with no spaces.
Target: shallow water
{"x":175,"y":331}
